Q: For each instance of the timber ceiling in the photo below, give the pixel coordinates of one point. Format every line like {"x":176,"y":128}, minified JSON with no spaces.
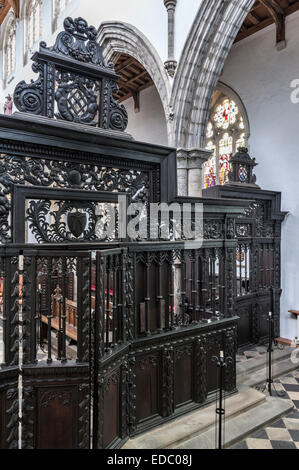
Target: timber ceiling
{"x":133,"y":78}
{"x":5,"y":6}
{"x":266,"y":12}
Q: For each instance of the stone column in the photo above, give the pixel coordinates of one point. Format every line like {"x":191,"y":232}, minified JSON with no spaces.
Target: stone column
{"x":170,"y":64}
{"x":190,"y":173}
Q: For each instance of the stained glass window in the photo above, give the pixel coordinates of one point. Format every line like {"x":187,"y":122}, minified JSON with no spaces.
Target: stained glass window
{"x":226,"y":132}
{"x":210,"y":166}
{"x":226,"y":114}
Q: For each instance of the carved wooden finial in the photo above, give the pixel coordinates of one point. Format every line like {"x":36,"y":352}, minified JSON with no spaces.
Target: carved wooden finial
{"x":74,"y":82}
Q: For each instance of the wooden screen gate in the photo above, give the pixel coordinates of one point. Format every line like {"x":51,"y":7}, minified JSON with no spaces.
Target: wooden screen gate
{"x":89,"y":360}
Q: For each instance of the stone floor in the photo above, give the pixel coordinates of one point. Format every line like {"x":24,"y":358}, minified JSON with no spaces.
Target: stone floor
{"x":253,"y":352}
{"x":283,"y":434}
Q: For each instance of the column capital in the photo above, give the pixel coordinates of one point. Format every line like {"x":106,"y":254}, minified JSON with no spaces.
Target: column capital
{"x":170,"y":4}
{"x":194,"y":158}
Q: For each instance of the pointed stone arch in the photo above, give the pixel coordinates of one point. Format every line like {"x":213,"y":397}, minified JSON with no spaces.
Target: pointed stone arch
{"x":207,"y":46}
{"x":122,"y":38}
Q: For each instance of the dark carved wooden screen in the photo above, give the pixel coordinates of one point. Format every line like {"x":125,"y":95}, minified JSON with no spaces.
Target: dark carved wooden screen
{"x":102,"y":328}
{"x":258,"y":254}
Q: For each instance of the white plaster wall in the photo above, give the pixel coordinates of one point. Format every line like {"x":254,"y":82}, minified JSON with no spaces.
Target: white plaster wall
{"x":148,"y":125}
{"x":262,"y":76}
{"x":149,"y":16}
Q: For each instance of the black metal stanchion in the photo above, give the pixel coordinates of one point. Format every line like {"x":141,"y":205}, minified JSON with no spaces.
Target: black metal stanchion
{"x":271,"y":340}
{"x":270,"y":351}
{"x":220,"y":409}
{"x":40,"y":324}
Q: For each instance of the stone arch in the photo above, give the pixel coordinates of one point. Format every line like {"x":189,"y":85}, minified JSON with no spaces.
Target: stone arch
{"x":122,"y":38}
{"x":207,"y":46}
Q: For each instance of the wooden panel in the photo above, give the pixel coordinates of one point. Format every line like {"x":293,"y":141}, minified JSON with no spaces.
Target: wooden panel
{"x":111,"y":428}
{"x":244,"y":325}
{"x":56,"y":412}
{"x":57,"y":418}
{"x":183,"y":377}
{"x":9,"y":408}
{"x":215,"y":345}
{"x":147,"y":387}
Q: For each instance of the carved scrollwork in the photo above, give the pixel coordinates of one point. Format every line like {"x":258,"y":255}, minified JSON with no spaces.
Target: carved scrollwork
{"x":213,"y":230}
{"x":29,"y":98}
{"x":256,"y":211}
{"x":78,"y":40}
{"x":118,"y":116}
{"x":69,"y":223}
{"x":243,"y":230}
{"x":65,"y":397}
{"x":168,"y":393}
{"x":77,"y":98}
{"x":28,"y":417}
{"x":86,"y":96}
{"x":12,"y":418}
{"x":62,"y":174}
{"x":230,"y":229}
{"x":84,"y":417}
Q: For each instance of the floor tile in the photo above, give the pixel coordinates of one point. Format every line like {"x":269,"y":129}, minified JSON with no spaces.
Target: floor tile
{"x":289,"y":381}
{"x":258,"y":444}
{"x":260,"y":435}
{"x":291,"y":423}
{"x":278,"y":434}
{"x":291,"y":388}
{"x":283,"y":445}
{"x":278,"y":424}
{"x":240,"y":445}
{"x":294,"y":435}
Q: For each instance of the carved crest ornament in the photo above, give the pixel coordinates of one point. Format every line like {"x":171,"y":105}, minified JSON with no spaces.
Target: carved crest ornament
{"x":74,"y":82}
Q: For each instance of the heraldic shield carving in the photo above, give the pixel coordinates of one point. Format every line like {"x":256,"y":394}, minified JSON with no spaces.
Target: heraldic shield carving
{"x":74,"y":84}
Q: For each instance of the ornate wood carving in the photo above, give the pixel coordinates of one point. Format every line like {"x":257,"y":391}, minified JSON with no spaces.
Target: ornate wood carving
{"x":85,"y":84}
{"x":167,"y":394}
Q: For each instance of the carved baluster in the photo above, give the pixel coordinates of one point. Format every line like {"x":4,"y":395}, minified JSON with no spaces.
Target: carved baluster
{"x":108,"y":279}
{"x":213,"y":273}
{"x":49,"y":308}
{"x":245,"y":277}
{"x":240,"y":267}
{"x":184,"y":303}
{"x":193,"y":285}
{"x":169,"y":320}
{"x":100,"y":307}
{"x":159,"y":292}
{"x":222,"y":283}
{"x":64,"y":287}
{"x":114,"y":301}
{"x":147,"y":298}
{"x":121,"y":305}
{"x":199,"y":284}
{"x":204,"y":283}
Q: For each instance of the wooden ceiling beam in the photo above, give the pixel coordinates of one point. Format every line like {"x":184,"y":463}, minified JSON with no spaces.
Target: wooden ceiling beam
{"x":132,"y":80}
{"x":124,"y":64}
{"x":278,"y":15}
{"x":272,"y":12}
{"x":253,"y":18}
